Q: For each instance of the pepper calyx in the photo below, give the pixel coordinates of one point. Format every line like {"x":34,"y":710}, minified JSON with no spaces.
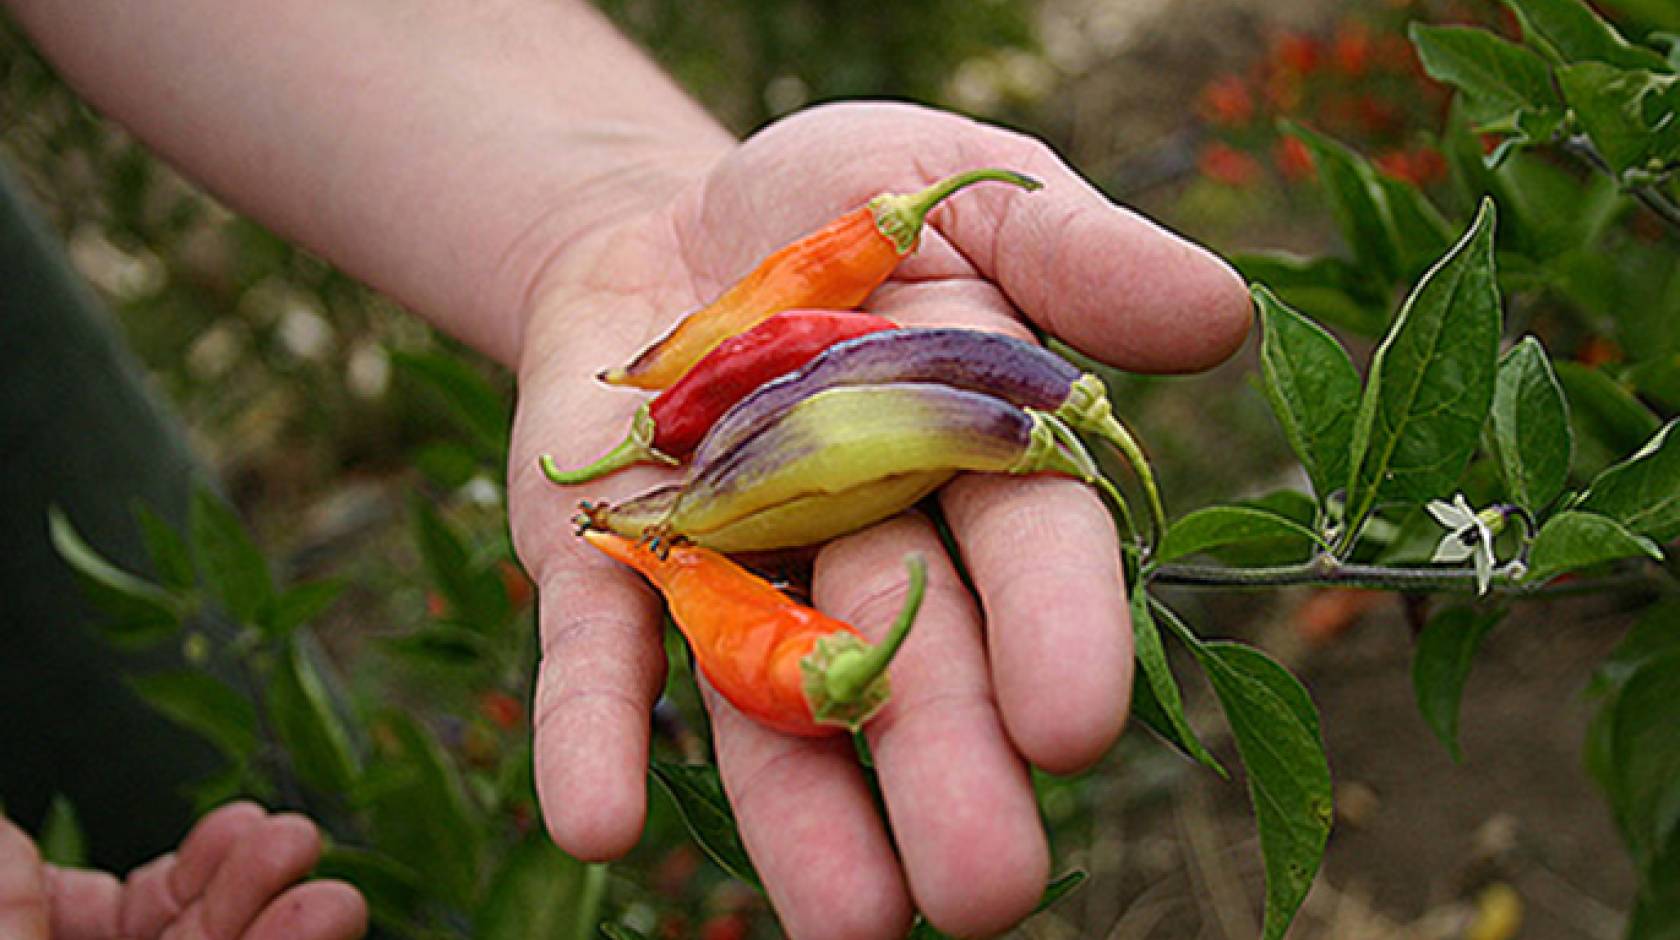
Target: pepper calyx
{"x":900,"y":216}
{"x":846,"y":680}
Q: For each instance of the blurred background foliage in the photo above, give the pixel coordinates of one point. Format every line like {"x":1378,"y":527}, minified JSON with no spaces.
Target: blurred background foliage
{"x":324,"y":409}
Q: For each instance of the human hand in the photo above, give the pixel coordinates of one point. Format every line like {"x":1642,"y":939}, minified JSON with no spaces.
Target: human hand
{"x":234,"y":876}
{"x":1038,"y":671}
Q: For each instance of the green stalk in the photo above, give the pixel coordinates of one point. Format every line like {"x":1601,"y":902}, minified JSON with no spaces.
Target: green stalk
{"x":853,"y":671}
{"x":900,"y":216}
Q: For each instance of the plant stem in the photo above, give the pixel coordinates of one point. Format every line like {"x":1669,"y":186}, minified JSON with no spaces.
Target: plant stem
{"x":1649,"y":196}
{"x":1326,"y":571}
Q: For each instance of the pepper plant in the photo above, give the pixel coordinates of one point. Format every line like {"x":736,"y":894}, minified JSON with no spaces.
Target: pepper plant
{"x":1460,"y":461}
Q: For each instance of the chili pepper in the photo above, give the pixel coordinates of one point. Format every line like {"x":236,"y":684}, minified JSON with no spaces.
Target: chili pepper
{"x":805,"y":520}
{"x":668,"y":428}
{"x":1019,"y":372}
{"x":851,"y":437}
{"x":785,"y":665}
{"x":835,"y":267}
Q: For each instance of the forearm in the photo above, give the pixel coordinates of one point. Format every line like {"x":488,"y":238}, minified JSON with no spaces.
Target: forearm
{"x":439,"y":151}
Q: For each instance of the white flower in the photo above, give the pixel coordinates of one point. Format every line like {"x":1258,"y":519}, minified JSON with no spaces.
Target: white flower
{"x":1468,"y":537}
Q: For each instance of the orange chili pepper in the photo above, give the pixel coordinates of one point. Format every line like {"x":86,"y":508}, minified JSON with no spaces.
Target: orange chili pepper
{"x":785,"y":665}
{"x":833,"y":268}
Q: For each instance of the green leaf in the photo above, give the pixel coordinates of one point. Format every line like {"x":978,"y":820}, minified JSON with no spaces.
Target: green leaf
{"x":1602,"y":411}
{"x":302,"y":714}
{"x":1214,"y":526}
{"x":1391,"y":229}
{"x":1440,"y":664}
{"x":62,"y":841}
{"x":1658,"y":379}
{"x":300,"y":604}
{"x":1312,"y":386}
{"x":232,"y":567}
{"x":1327,"y":289}
{"x":140,"y":611}
{"x":1431,"y":381}
{"x":1531,"y":434}
{"x":421,"y":813}
{"x":1498,"y":77}
{"x":1163,"y":708}
{"x":393,"y":890}
{"x":1505,"y":88}
{"x":475,"y":406}
{"x":475,"y":593}
{"x":1277,"y":733}
{"x":1571,"y":540}
{"x":1643,"y":491}
{"x":441,"y":645}
{"x":447,"y":464}
{"x":166,"y":548}
{"x":1630,"y":115}
{"x":1571,"y":31}
{"x":698,"y":795}
{"x":206,"y":705}
{"x":1351,"y":186}
{"x":1645,"y":757}
{"x":538,"y":892}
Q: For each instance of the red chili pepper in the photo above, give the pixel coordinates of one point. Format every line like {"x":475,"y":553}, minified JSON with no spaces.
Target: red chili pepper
{"x":785,"y":665}
{"x":835,"y":267}
{"x":668,"y":428}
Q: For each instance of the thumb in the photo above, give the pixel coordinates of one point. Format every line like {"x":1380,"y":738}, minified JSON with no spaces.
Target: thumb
{"x":1113,"y":284}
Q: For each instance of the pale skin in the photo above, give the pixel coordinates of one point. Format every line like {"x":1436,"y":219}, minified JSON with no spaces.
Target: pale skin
{"x":520,"y":176}
{"x":234,"y":877}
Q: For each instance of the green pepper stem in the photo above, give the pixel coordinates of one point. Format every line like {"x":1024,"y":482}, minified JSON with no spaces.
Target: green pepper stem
{"x":900,"y":216}
{"x":853,"y":671}
{"x":637,"y":447}
{"x":1116,"y":434}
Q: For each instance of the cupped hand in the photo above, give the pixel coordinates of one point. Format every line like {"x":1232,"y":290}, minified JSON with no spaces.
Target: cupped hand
{"x":1033,"y":669}
{"x":235,"y":877}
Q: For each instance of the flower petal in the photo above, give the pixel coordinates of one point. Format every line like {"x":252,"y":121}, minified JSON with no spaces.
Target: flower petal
{"x":1451,"y":549}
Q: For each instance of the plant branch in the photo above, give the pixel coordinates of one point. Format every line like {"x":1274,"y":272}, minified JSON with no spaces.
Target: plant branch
{"x":1652,"y":198}
{"x":1325,"y":571}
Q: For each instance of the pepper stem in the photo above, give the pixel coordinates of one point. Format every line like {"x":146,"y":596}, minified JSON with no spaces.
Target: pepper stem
{"x":900,"y":216}
{"x":637,"y":447}
{"x":845,"y":677}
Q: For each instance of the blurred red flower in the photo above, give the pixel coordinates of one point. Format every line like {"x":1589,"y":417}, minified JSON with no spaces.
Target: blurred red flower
{"x":1226,"y":102}
{"x":1225,"y":164}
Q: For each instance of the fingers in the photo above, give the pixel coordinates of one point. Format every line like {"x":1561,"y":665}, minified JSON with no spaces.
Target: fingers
{"x":319,"y":910}
{"x":23,"y":891}
{"x":1045,"y":559}
{"x":958,"y":796}
{"x":807,"y":819}
{"x":207,"y":845}
{"x":256,"y":869}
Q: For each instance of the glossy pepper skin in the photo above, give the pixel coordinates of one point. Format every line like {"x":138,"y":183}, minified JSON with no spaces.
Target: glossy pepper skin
{"x":835,"y":267}
{"x":668,"y":428}
{"x":1021,"y":373}
{"x":832,"y":462}
{"x":783,"y":664}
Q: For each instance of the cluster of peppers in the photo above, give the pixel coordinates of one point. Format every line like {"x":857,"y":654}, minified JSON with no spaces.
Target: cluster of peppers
{"x":801,"y":420}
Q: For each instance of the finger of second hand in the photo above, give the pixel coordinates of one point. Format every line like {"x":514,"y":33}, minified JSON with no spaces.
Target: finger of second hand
{"x":958,"y":796}
{"x":1044,"y":556}
{"x":808,"y":822}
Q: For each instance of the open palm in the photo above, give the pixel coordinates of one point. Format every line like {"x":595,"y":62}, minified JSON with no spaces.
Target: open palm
{"x":1035,"y":669}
